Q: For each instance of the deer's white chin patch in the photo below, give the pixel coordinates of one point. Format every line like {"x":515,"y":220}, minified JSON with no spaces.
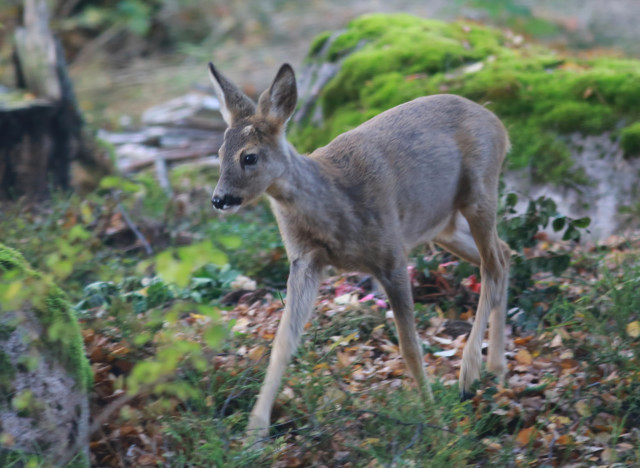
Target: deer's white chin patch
{"x":229,"y":209}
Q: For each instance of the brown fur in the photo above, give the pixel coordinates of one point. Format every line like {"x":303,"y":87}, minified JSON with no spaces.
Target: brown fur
{"x":426,"y":170}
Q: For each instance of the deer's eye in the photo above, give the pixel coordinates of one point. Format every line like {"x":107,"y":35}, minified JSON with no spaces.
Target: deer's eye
{"x":249,"y":159}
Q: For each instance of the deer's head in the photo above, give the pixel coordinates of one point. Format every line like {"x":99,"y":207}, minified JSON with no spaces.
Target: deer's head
{"x":255,"y":152}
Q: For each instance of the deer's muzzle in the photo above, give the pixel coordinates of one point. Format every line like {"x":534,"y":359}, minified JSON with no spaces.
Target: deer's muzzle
{"x":222,"y":203}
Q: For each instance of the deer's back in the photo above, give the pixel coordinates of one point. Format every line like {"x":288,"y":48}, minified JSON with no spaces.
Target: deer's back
{"x":417,"y":163}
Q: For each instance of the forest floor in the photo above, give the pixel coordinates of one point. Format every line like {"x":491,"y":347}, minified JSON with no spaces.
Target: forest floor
{"x":179,"y":339}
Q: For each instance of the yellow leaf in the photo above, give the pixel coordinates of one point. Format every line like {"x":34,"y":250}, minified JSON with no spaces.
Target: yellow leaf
{"x":344,"y":341}
{"x":370,"y":441}
{"x":86,"y":212}
{"x":524,"y":357}
{"x":583,"y":408}
{"x":256,"y":353}
{"x":633,"y":329}
{"x":13,"y":290}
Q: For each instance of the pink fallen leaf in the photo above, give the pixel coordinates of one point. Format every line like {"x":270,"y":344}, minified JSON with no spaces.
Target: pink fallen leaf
{"x":472,"y":283}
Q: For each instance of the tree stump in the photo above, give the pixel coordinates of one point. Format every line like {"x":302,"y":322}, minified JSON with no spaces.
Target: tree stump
{"x":40,"y":125}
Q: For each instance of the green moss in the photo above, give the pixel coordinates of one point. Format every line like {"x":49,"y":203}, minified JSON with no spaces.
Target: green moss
{"x":540,"y":95}
{"x":318,"y":42}
{"x":5,"y":331}
{"x":63,"y":337}
{"x":579,"y":117}
{"x":630,"y":140}
{"x":11,"y":259}
{"x":7,"y":373}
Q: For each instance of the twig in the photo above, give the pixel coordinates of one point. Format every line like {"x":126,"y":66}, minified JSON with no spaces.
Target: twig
{"x":410,"y":423}
{"x":96,"y":425}
{"x":108,"y":410}
{"x":132,"y":226}
{"x":411,"y":443}
{"x":163,"y":176}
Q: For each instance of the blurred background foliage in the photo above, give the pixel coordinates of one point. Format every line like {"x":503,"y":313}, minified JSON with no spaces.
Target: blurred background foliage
{"x":127,"y":54}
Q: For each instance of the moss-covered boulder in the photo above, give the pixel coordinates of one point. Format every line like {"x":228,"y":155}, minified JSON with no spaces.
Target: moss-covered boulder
{"x":44,"y":374}
{"x":549,"y":102}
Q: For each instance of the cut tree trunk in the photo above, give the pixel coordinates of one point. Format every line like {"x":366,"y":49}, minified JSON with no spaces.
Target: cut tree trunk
{"x":41,"y":129}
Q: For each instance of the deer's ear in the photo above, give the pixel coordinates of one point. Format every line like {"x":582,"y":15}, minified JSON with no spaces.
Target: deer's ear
{"x":234,"y":104}
{"x":279,"y":101}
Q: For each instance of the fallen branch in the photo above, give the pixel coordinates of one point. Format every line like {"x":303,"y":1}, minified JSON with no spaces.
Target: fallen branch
{"x":133,"y":227}
{"x":163,"y":176}
{"x":173,"y":155}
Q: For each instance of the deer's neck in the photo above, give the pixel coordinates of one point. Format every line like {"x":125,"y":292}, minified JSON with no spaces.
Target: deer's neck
{"x":304,"y":188}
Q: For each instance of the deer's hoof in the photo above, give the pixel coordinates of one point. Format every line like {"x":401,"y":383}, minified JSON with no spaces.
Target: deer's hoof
{"x":466,"y":395}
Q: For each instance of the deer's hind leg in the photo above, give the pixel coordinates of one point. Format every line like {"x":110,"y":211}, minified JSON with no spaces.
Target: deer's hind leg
{"x":457,"y":239}
{"x":494,"y":271}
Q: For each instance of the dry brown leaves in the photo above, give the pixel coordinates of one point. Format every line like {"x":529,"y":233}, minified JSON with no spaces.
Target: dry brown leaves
{"x":555,"y":402}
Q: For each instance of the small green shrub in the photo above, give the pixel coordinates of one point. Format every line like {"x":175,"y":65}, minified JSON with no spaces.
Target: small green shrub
{"x":519,"y":231}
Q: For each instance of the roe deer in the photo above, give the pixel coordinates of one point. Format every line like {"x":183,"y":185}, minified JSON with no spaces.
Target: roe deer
{"x":426,"y":170}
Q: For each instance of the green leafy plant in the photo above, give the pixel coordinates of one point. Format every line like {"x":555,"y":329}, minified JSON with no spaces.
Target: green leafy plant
{"x":520,"y":232}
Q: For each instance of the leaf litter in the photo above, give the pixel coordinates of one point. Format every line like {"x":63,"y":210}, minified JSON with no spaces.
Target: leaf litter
{"x":556,"y":406}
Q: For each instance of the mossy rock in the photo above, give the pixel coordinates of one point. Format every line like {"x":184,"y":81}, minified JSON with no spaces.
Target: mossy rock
{"x":542,"y":97}
{"x":630,"y":140}
{"x":44,"y":373}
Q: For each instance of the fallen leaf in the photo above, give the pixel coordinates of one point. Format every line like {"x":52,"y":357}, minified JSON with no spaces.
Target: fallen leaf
{"x":556,"y":342}
{"x":147,"y":459}
{"x":608,"y":455}
{"x":522,"y":340}
{"x":344,"y":359}
{"x":583,"y":408}
{"x":633,"y":329}
{"x":256,"y":353}
{"x":526,"y":435}
{"x":241,"y":325}
{"x":524,"y":357}
{"x":446,"y":353}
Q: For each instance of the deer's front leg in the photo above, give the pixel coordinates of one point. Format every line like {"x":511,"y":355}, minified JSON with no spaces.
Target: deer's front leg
{"x":302,"y":289}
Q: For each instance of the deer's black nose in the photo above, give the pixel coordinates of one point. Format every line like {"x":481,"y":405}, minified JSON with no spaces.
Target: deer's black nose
{"x":217,"y":202}
{"x":226,"y":201}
